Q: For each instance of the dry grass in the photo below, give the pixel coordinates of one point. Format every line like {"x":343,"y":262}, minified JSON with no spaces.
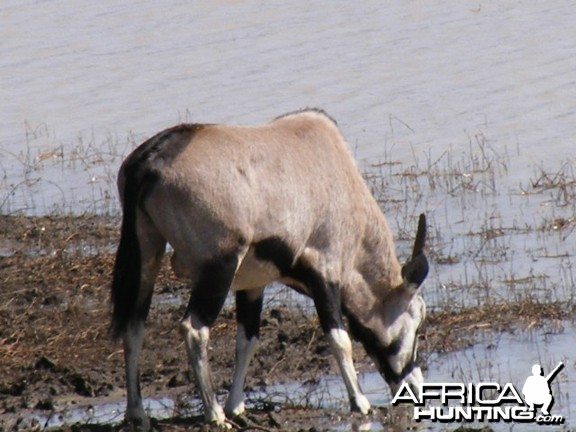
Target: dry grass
{"x":450,"y":330}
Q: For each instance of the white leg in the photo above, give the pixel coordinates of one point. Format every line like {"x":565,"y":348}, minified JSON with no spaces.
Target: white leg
{"x":196,"y":337}
{"x":342,"y":348}
{"x":245,"y":349}
{"x":132,"y":347}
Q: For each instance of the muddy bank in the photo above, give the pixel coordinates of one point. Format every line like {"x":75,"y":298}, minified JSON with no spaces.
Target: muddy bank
{"x":56,"y":352}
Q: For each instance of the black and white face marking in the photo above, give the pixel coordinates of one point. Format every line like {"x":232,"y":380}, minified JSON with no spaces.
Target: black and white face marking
{"x":402,"y":366}
{"x":394,"y":348}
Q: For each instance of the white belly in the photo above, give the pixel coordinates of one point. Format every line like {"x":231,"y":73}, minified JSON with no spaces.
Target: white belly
{"x":254,"y":273}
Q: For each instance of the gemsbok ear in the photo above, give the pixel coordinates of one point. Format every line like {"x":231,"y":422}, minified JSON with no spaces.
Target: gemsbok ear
{"x":416,"y":269}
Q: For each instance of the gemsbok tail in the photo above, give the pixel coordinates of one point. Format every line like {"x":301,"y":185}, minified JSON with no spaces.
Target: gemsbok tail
{"x":136,"y":178}
{"x":127,"y":266}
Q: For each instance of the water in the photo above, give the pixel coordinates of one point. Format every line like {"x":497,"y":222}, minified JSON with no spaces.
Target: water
{"x":499,"y":358}
{"x":106,"y":413}
{"x":83,"y":83}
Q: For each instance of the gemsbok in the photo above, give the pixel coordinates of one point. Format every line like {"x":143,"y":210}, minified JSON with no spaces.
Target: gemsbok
{"x":245,"y":206}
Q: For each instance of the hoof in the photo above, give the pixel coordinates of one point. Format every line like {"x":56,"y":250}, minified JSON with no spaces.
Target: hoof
{"x":360,"y":404}
{"x":217,"y":418}
{"x":233,"y":412}
{"x":140,"y":424}
{"x":224,"y":425}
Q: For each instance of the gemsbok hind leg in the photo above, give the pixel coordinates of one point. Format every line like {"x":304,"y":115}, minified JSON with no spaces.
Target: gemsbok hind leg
{"x":206,"y":300}
{"x":248,"y":310}
{"x":152,"y":246}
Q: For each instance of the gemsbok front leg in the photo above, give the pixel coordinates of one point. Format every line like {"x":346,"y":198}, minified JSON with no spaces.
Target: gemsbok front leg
{"x":248,"y":310}
{"x":327,"y":301}
{"x":207,"y":298}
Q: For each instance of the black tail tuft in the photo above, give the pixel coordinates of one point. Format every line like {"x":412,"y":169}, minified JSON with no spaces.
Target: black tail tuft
{"x":127,"y":267}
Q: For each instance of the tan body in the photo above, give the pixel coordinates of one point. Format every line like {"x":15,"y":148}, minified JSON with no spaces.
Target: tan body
{"x":246,"y":206}
{"x":223,"y":193}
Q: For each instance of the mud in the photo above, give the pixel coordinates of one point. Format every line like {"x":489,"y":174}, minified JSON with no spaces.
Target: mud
{"x":56,"y":352}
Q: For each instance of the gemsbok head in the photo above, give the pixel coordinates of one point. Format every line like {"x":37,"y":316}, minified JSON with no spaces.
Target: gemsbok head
{"x":243,"y":207}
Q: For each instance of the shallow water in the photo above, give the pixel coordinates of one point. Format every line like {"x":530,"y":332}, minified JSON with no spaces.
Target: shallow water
{"x":82,"y":83}
{"x":499,"y":358}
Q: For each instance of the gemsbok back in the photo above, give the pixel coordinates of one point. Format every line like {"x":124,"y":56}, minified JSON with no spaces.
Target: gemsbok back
{"x":243,"y":207}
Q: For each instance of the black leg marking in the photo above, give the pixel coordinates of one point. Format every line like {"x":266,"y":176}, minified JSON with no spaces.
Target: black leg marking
{"x":326,"y":296}
{"x":248,"y":313}
{"x":211,"y":289}
{"x":277,"y":252}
